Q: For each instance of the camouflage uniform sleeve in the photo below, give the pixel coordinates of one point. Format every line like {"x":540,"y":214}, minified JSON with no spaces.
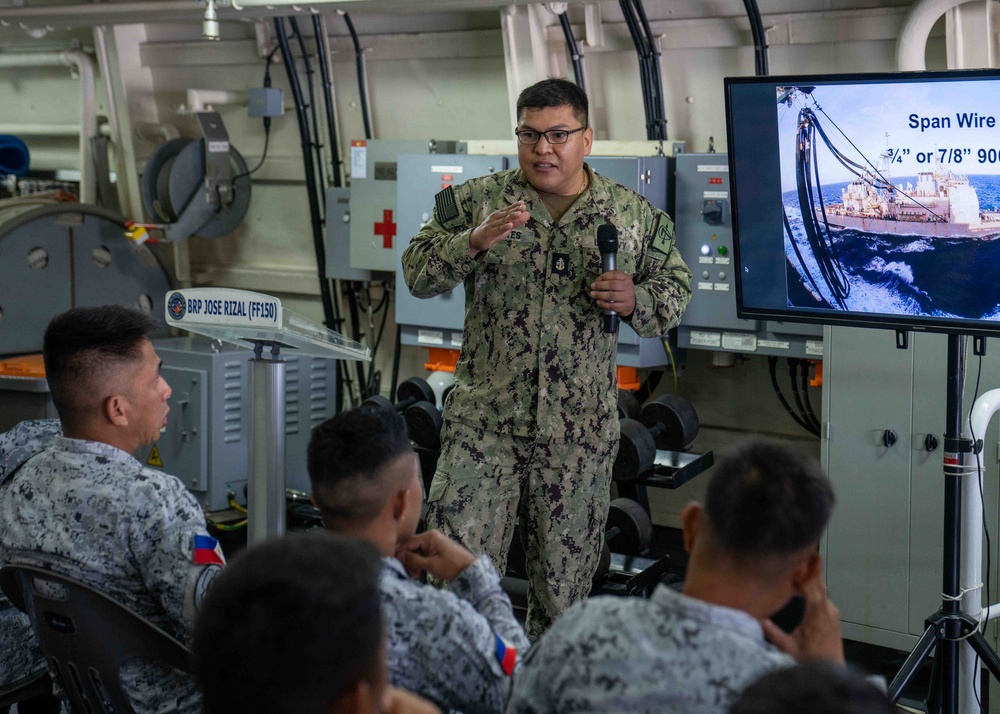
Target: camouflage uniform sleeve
{"x":437,"y":258}
{"x":161,"y":536}
{"x":443,"y":649}
{"x":663,"y":288}
{"x":540,"y":685}
{"x":479,"y":585}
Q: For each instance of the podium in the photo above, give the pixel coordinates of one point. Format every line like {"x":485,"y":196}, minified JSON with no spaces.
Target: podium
{"x":247,"y":318}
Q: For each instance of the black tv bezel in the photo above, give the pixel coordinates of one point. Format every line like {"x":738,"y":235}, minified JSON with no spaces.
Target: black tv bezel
{"x":820,"y":316}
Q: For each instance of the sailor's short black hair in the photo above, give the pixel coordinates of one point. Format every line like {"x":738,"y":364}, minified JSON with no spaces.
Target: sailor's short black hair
{"x":555,"y":92}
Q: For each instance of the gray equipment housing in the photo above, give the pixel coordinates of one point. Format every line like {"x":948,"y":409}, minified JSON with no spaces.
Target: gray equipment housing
{"x":57,"y":256}
{"x":206,"y":441}
{"x":703,"y":220}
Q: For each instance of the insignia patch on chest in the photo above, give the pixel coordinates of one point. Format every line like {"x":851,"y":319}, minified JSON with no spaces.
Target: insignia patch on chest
{"x":560,"y":263}
{"x":447,"y":207}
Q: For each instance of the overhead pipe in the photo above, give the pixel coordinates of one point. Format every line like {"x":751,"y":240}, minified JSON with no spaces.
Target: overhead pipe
{"x":84,"y":66}
{"x":912,"y":44}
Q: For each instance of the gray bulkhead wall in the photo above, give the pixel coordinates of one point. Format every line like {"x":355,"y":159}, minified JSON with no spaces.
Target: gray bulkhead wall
{"x":444,"y":75}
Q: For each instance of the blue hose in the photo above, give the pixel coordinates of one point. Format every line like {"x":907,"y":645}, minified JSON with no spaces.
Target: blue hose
{"x":14,"y":157}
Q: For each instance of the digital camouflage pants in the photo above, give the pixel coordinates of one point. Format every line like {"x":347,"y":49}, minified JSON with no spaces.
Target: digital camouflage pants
{"x":483,"y":480}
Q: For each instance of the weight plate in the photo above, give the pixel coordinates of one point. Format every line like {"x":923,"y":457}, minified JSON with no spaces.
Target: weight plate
{"x":636,"y":451}
{"x":416,"y":389}
{"x":678,"y":417}
{"x":379,"y":402}
{"x":635,"y":525}
{"x":423,"y":423}
{"x":628,"y":405}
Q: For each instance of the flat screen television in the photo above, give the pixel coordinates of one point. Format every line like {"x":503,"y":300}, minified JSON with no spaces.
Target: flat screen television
{"x":868,"y":199}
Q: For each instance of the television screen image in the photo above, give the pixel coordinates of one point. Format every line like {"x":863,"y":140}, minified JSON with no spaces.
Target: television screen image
{"x":868,"y":199}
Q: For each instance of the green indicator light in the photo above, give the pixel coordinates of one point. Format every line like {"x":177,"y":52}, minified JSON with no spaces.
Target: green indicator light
{"x":723,"y":250}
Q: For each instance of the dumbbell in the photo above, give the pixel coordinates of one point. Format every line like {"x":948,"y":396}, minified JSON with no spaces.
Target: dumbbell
{"x":667,"y":422}
{"x":416,"y":402}
{"x":413,"y":390}
{"x":629,"y":531}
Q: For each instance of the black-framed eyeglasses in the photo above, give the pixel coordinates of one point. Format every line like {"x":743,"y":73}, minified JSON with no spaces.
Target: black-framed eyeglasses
{"x":553,"y":136}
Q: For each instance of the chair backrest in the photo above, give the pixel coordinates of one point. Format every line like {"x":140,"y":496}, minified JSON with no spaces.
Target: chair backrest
{"x":86,"y":636}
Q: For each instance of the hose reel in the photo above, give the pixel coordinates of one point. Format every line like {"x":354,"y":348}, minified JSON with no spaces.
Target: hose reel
{"x":197,"y":187}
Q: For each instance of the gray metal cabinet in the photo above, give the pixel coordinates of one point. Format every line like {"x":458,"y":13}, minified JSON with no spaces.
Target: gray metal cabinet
{"x":885,"y":540}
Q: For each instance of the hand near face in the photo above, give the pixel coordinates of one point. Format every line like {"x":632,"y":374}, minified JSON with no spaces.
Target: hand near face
{"x":436,"y":553}
{"x":497,"y":227}
{"x":399,"y":701}
{"x":818,"y":635}
{"x":614,"y":291}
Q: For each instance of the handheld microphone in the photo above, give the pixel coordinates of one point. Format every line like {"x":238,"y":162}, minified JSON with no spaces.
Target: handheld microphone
{"x":607,"y":243}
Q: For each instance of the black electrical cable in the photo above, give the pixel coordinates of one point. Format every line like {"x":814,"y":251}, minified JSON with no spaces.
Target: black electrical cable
{"x":359,"y":60}
{"x":772,"y":363}
{"x":982,"y":504}
{"x":655,"y":74}
{"x":804,"y":373}
{"x":267,"y":125}
{"x":793,"y":376}
{"x":314,"y":214}
{"x":759,"y":37}
{"x":395,"y":358}
{"x":317,"y":145}
{"x":640,"y":50}
{"x":374,"y":376}
{"x":574,"y":50}
{"x":352,"y":307}
{"x":323,"y":51}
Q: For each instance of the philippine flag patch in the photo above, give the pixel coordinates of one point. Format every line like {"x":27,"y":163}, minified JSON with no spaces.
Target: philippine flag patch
{"x":207,"y":551}
{"x":506,"y":655}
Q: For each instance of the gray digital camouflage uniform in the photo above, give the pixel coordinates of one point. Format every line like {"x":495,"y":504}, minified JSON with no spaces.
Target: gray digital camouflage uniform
{"x":533,"y":412}
{"x":671,"y":654}
{"x":443,"y":643}
{"x":93,"y":512}
{"x":19,"y":653}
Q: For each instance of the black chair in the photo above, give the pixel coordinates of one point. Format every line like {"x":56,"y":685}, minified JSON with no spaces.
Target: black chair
{"x":37,"y":685}
{"x":87,"y":637}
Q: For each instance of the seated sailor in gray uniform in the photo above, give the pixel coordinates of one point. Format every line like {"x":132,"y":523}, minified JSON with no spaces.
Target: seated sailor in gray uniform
{"x":457,"y":647}
{"x":85,"y":507}
{"x":753,"y":546}
{"x":293,"y":627}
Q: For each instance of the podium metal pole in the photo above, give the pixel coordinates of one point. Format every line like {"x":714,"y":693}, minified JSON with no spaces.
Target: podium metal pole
{"x":266,"y":496}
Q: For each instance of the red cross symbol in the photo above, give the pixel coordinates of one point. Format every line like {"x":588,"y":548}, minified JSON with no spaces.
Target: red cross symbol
{"x":386,"y":229}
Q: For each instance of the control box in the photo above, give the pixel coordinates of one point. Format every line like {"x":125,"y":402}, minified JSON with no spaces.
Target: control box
{"x":206,"y":442}
{"x":702,"y":213}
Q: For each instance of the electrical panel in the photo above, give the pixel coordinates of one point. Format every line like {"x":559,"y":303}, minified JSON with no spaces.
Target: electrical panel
{"x":702,"y":212}
{"x":438,"y":321}
{"x":373,"y":216}
{"x":206,"y":442}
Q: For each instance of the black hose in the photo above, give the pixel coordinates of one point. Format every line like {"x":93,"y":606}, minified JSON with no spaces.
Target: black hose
{"x":331,"y":125}
{"x":574,"y":49}
{"x":323,"y":53}
{"x":793,"y":373}
{"x":317,"y":145}
{"x":759,"y":37}
{"x":395,"y":358}
{"x":352,"y":307}
{"x":656,"y":76}
{"x":640,"y":50}
{"x":314,"y":212}
{"x":359,"y":61}
{"x":772,"y":363}
{"x":804,"y":372}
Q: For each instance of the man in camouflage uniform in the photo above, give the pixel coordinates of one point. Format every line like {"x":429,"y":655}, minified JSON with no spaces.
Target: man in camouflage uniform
{"x":532,"y":418}
{"x":457,"y":647}
{"x":753,"y":546}
{"x":20,"y":657}
{"x":86,"y":508}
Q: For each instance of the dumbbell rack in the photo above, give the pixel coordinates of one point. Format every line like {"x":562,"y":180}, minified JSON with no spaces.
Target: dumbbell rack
{"x":671,"y":470}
